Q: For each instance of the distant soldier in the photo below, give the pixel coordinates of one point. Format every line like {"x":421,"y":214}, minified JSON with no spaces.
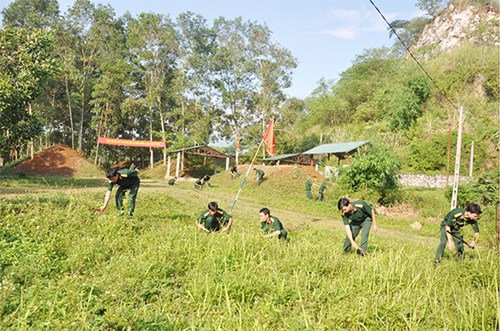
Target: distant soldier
{"x":308,"y":188}
{"x":171,"y":181}
{"x":261,"y":174}
{"x":270,"y":225}
{"x":214,"y":219}
{"x":234,"y":171}
{"x":205,"y":180}
{"x":450,"y":230}
{"x":322,"y":188}
{"x":126,"y":179}
{"x":357,"y":216}
{"x":198,"y":184}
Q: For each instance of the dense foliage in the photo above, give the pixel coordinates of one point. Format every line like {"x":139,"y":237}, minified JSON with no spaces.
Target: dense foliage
{"x":187,"y":81}
{"x":375,"y":171}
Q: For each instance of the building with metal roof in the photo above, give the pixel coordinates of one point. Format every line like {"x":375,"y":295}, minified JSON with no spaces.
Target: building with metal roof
{"x":340,"y":150}
{"x":290,"y":158}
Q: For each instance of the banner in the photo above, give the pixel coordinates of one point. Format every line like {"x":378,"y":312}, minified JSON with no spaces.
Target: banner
{"x":131,"y":143}
{"x":269,"y":138}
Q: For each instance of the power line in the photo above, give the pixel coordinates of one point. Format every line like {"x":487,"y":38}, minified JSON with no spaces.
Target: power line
{"x":412,"y":56}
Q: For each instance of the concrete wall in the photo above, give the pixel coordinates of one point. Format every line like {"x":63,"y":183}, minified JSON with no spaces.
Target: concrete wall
{"x":432,"y":181}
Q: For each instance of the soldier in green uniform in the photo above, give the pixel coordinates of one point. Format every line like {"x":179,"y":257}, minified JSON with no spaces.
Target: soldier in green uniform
{"x":308,"y":188}
{"x":171,"y":181}
{"x":205,"y":180}
{"x":198,"y":184}
{"x":261,"y":174}
{"x":126,"y":179}
{"x":450,"y":230}
{"x":357,"y":216}
{"x":234,"y":172}
{"x":270,"y":225}
{"x":322,"y":188}
{"x":214,"y":219}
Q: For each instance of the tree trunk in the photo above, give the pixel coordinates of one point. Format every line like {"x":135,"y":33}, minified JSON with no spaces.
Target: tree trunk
{"x":70,"y":113}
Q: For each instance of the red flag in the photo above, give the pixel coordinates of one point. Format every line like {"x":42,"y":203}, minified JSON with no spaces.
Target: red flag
{"x":269,"y":138}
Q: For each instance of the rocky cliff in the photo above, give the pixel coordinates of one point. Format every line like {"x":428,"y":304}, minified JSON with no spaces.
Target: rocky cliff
{"x":458,"y":26}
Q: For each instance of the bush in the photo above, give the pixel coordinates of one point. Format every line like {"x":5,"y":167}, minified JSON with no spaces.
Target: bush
{"x":483,"y":191}
{"x":376,"y":172}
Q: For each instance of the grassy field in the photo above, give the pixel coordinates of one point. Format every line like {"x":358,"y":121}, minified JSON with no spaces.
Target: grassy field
{"x":65,"y":267}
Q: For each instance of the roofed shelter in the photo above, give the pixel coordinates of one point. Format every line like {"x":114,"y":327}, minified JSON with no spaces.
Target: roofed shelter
{"x":340,"y":150}
{"x":202,"y":150}
{"x":290,"y":158}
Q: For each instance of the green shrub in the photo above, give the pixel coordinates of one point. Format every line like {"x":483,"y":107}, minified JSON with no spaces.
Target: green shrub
{"x":375,"y":172}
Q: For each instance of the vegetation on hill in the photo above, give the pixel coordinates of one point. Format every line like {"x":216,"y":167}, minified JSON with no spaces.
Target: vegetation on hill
{"x":188,"y":81}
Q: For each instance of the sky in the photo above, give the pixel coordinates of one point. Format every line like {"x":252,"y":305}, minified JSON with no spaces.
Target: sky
{"x":324,"y":36}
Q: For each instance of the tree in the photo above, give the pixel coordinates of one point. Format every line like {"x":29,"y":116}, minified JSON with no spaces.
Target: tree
{"x":27,"y":65}
{"x":245,"y":67}
{"x":432,"y":7}
{"x":31,"y":14}
{"x":154,"y":49}
{"x":405,"y":106}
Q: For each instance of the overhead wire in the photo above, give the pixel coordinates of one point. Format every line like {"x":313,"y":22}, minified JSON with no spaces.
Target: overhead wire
{"x":412,"y":56}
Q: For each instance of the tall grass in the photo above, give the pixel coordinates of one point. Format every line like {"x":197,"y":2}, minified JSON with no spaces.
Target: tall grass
{"x":64,"y":267}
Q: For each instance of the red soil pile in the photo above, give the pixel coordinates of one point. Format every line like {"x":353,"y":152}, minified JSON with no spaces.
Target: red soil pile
{"x":59,"y":160}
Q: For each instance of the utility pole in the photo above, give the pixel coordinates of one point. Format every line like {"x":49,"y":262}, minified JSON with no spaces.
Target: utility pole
{"x":454,"y":196}
{"x":471,"y":159}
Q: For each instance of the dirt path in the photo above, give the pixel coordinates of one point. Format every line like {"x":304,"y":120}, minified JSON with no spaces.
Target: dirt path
{"x":293,"y":219}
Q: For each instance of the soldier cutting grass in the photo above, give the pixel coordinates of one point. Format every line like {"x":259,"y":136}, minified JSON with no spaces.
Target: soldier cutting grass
{"x":271,"y":226}
{"x":450,"y":230}
{"x":357,"y":216}
{"x":126,"y":179}
{"x":214,"y":219}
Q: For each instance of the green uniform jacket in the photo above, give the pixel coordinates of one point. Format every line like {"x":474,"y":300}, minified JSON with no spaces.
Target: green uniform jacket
{"x":456,"y":219}
{"x":127,"y":178}
{"x":260,"y":173}
{"x":275,"y":225}
{"x":214,"y":222}
{"x":308,"y":185}
{"x":322,"y":187}
{"x":361,"y":212}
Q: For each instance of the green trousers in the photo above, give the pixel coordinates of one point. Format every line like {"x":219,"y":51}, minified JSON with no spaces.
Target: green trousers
{"x":364,"y":227}
{"x":134,"y":188}
{"x":320,"y":196}
{"x":309,"y":194}
{"x":212,"y":224}
{"x":442,"y":244}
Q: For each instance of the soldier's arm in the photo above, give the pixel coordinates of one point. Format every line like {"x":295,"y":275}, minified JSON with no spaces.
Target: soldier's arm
{"x":273,"y":234}
{"x":201,"y":227}
{"x":228,"y":226}
{"x":107,"y":197}
{"x":349,"y":236}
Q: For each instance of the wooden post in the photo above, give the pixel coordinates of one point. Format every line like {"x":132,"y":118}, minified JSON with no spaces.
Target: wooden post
{"x":168,"y":167}
{"x":471,"y":159}
{"x":177,"y":164}
{"x":227,"y":163}
{"x":456,"y":177}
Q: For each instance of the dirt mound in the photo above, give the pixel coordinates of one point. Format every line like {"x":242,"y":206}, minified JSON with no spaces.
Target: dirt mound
{"x":59,"y":160}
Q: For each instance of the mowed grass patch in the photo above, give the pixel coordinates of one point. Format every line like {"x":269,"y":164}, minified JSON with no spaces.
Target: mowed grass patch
{"x":67,"y":267}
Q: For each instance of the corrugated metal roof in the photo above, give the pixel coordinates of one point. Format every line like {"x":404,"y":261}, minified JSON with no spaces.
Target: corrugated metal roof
{"x":338,"y":149}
